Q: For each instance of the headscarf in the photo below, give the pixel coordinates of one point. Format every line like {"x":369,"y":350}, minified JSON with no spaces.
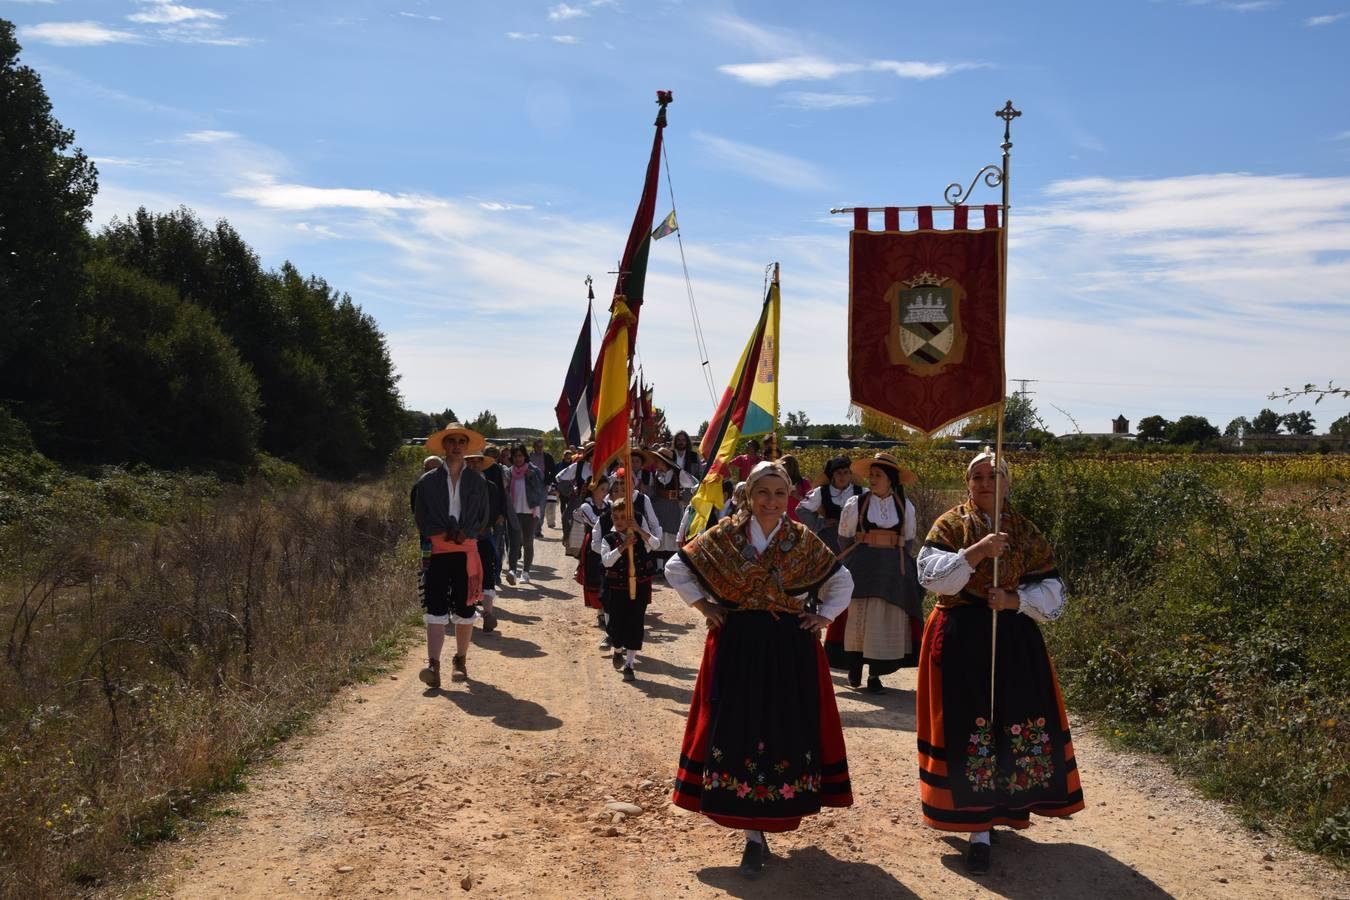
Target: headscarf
{"x":989,"y":456}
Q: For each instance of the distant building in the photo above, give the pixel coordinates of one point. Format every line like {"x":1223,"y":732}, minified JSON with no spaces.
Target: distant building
{"x":1120,"y":430}
{"x":1120,"y":425}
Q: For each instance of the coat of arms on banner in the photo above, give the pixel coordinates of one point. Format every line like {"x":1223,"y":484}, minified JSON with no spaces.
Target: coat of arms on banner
{"x":926,"y":333}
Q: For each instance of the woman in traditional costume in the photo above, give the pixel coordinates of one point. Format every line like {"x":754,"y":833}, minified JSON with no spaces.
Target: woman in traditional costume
{"x":820,"y":511}
{"x":670,"y":488}
{"x":763,"y":745}
{"x":877,"y":531}
{"x":626,"y":609}
{"x":976,"y":772}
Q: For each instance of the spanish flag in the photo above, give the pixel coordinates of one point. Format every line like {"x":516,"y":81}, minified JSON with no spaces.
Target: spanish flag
{"x":749,"y":407}
{"x":612,"y":399}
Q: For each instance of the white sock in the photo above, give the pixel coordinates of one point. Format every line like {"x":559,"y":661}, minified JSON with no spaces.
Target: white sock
{"x":631,"y":655}
{"x":756,"y":836}
{"x":979,"y":837}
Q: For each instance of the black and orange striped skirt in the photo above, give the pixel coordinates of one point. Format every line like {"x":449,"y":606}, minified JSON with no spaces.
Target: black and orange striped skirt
{"x":763,"y":745}
{"x":975,"y":772}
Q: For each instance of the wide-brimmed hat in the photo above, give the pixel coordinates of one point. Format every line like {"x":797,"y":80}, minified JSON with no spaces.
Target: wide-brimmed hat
{"x":587,"y":448}
{"x":863,"y":467}
{"x":476,"y":441}
{"x":646,"y":457}
{"x":665,"y":455}
{"x":832,"y":465}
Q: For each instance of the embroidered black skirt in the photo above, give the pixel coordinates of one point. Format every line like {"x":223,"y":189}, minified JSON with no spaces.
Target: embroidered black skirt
{"x":974,"y":773}
{"x":763,"y":745}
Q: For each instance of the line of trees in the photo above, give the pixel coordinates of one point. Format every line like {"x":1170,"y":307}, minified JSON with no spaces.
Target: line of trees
{"x":160,"y":339}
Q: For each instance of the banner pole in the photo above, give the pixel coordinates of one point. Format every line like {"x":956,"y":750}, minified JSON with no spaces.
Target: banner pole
{"x":630,"y":476}
{"x":1007,"y":114}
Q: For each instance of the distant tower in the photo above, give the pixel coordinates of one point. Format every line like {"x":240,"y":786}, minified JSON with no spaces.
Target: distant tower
{"x":1120,"y":425}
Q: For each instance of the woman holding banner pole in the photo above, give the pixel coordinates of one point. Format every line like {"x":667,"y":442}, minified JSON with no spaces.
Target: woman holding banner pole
{"x":988,"y":758}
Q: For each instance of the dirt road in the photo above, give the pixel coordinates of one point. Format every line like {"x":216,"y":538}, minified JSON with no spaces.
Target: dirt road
{"x":498,"y":787}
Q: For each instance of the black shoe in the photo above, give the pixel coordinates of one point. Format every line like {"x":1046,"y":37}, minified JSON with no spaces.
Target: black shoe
{"x":874,"y":686}
{"x":628,"y":674}
{"x":618,"y":660}
{"x":993,"y":835}
{"x":855,"y":676}
{"x":752,"y":859}
{"x":489,"y":622}
{"x":977,"y":859}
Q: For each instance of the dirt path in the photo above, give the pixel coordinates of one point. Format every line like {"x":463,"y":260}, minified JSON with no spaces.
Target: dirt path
{"x":498,"y":788}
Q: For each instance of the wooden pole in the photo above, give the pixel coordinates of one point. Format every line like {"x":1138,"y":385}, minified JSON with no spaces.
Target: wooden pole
{"x":1007,"y":114}
{"x":629,"y":477}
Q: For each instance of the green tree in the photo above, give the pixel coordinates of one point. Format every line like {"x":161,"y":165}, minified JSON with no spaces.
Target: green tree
{"x":796,"y":422}
{"x":1341,"y":426}
{"x":485,"y":424}
{"x":1019,"y":418}
{"x":1298,"y":422}
{"x":46,"y":186}
{"x":1267,"y":421}
{"x":160,"y":383}
{"x":1240,"y":425}
{"x":1153,"y":428}
{"x":1191,"y":430}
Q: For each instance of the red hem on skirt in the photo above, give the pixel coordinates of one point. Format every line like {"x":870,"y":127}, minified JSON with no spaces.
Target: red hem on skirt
{"x":1059,"y":812}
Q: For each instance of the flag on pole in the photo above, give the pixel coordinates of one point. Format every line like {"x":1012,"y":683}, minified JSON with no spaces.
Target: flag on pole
{"x":612,"y":386}
{"x":612,"y":396}
{"x":749,"y":407}
{"x":574,"y":404}
{"x":925,"y":319}
{"x":667,"y":227}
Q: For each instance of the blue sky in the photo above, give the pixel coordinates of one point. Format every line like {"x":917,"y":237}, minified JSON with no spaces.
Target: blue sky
{"x":1181,"y":175}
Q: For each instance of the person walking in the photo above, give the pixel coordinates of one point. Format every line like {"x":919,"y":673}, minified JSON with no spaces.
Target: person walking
{"x":763,"y":745}
{"x":627,"y":609}
{"x":543,"y":461}
{"x":451,"y":510}
{"x":976,"y":772}
{"x":877,"y":531}
{"x":525,"y":500}
{"x":488,"y":546}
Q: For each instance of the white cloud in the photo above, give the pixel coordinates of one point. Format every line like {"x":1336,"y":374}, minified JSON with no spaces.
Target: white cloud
{"x":208,"y":136}
{"x":498,"y":206}
{"x":272,"y":194}
{"x":159,"y":13}
{"x":412,"y":15}
{"x":1317,"y":21}
{"x":814,"y":100}
{"x":922,"y":70}
{"x":566,"y":39}
{"x":763,"y":165}
{"x":797,"y":68}
{"x":522,"y":35}
{"x":762,"y":40}
{"x":815,"y":68}
{"x":562,"y":11}
{"x":76,"y":34}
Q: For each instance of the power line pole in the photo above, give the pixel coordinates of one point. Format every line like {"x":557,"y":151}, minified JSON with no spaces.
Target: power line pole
{"x":1023,"y":382}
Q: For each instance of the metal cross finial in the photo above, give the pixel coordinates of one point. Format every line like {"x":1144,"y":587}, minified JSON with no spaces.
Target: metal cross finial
{"x":1007,"y":114}
{"x":618,"y":270}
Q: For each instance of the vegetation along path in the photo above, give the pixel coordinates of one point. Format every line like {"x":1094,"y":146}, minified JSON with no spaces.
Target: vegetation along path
{"x":499,"y":787}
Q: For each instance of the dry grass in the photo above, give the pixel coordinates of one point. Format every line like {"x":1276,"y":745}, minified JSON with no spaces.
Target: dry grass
{"x":145,"y":665}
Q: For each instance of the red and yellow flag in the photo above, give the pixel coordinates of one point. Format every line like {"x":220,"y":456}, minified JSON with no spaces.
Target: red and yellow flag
{"x":612,"y":398}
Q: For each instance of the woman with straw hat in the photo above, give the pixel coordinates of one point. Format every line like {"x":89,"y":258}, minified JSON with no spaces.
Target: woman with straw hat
{"x":451,"y":509}
{"x":877,"y":531}
{"x":763,"y":745}
{"x":974,"y":772}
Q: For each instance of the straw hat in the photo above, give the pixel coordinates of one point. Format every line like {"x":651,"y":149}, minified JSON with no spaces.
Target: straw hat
{"x":862,"y":468}
{"x":476,"y":441}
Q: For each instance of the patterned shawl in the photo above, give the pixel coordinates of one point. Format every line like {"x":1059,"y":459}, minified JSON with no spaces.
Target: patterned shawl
{"x":725,"y":562}
{"x":1029,"y":557}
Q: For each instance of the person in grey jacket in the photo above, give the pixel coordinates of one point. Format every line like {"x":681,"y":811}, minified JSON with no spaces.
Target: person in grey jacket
{"x":450,"y":505}
{"x":525,"y":498}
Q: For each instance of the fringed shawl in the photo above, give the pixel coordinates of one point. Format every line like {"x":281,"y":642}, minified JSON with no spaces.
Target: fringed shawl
{"x":1029,"y":557}
{"x":728,"y":568}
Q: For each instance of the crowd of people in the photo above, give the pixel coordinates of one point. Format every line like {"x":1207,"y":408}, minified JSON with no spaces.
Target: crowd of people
{"x":783,"y":563}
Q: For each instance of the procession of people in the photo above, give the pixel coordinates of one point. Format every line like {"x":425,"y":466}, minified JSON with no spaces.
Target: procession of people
{"x":782,"y":566}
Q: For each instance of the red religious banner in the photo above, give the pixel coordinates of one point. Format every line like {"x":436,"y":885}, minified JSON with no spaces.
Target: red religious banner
{"x":924,"y":320}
